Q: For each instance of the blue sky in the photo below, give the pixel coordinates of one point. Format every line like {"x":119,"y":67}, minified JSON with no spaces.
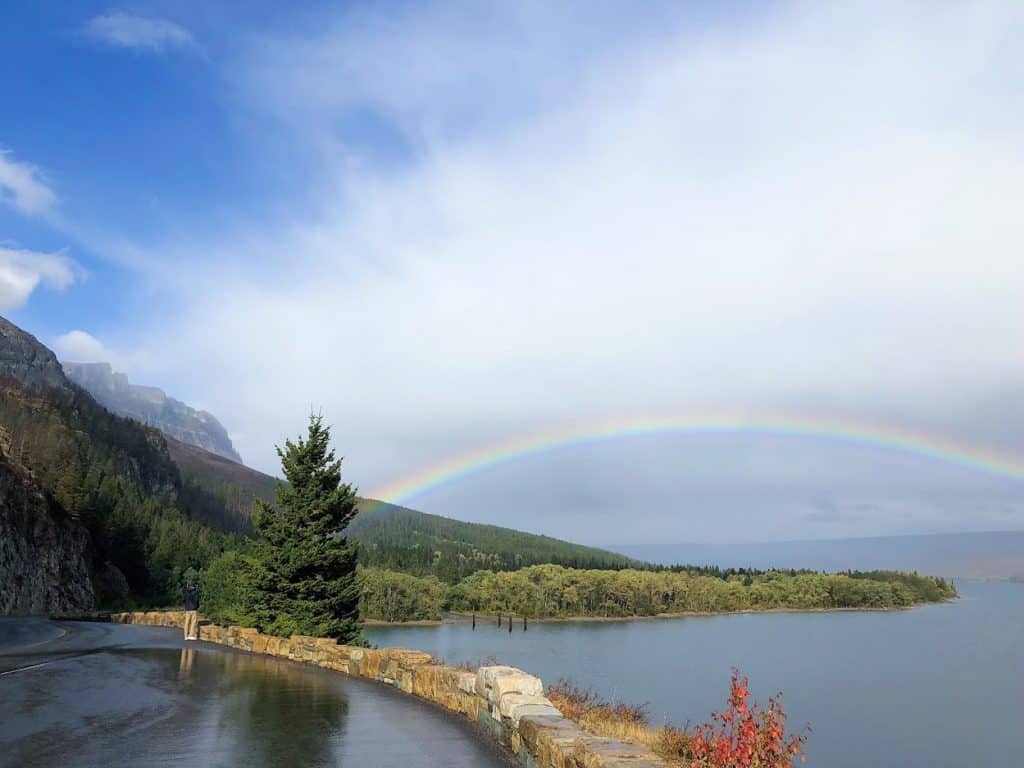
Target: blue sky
{"x":448,"y":224}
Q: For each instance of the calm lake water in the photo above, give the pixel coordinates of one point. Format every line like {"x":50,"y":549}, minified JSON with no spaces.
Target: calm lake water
{"x":937,"y":686}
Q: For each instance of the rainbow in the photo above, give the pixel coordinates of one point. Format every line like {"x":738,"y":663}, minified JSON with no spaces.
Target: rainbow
{"x":999,"y":464}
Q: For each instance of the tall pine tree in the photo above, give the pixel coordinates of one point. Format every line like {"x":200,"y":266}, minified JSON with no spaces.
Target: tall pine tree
{"x":305,"y":567}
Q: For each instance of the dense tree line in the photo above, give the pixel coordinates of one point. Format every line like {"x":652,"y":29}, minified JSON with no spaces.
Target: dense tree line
{"x":394,"y":596}
{"x":553,"y":591}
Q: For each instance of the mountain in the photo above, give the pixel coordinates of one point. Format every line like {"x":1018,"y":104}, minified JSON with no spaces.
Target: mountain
{"x":980,"y":555}
{"x":392,"y":536}
{"x":403,"y":539}
{"x":152,"y":406}
{"x":223,"y":491}
{"x":92,"y":508}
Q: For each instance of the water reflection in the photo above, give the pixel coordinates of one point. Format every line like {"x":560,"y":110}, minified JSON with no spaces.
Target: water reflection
{"x":272,"y":712}
{"x":111,"y":695}
{"x":188,"y":656}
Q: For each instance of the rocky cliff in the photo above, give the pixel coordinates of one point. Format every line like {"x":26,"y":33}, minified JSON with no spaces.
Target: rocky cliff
{"x":153,"y":407}
{"x":44,"y":554}
{"x":25,"y":361}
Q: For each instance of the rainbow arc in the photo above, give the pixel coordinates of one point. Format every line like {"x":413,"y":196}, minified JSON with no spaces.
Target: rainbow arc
{"x":896,"y":439}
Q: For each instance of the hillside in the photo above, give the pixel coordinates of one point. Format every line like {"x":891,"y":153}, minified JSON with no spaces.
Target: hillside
{"x":222,"y":492}
{"x":414,"y":542}
{"x":92,"y":504}
{"x":150,"y":405}
{"x":390,"y":536}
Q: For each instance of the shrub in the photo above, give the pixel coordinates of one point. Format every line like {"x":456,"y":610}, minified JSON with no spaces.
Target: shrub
{"x":227,"y":590}
{"x":746,"y":735}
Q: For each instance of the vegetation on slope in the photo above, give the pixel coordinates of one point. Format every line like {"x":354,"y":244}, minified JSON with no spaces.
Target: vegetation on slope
{"x":401,"y":539}
{"x":111,"y":476}
{"x":224,"y":494}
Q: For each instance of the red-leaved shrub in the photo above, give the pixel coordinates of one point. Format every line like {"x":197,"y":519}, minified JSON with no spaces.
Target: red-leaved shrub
{"x":746,"y":735}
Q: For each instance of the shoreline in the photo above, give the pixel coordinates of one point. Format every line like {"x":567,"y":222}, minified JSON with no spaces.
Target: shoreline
{"x":461,"y":618}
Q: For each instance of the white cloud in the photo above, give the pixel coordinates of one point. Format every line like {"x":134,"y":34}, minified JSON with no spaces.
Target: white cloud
{"x":816,"y":208}
{"x":81,"y":347}
{"x":22,"y":271}
{"x":23,"y":186}
{"x":139,"y":33}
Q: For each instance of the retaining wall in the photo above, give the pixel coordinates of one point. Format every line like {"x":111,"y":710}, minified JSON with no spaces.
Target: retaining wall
{"x":508,"y":702}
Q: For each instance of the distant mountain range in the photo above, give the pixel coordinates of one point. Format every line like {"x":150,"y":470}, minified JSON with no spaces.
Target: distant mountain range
{"x":152,"y":406}
{"x":983,"y":555}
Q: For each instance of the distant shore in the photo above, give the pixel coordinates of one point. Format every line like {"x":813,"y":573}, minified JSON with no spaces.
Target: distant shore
{"x":492,"y":619}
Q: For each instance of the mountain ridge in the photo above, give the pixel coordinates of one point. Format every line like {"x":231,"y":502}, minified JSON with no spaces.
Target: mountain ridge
{"x":152,"y":406}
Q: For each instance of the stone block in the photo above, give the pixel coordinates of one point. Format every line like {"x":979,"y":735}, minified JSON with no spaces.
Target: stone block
{"x":514,"y":706}
{"x":604,"y":752}
{"x":467,"y":682}
{"x":514,"y":682}
{"x":485,"y":677}
{"x":430,"y":681}
{"x":211,"y":633}
{"x":303,"y":647}
{"x":371,"y":663}
{"x":551,"y":739}
{"x":407,"y":659}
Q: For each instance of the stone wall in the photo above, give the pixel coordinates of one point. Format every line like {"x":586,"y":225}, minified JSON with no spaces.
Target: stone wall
{"x":509,"y":703}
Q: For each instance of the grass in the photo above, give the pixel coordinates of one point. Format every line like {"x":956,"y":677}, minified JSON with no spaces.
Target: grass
{"x":625,"y":722}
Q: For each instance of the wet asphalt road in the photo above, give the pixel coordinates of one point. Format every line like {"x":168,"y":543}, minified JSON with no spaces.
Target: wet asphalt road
{"x":80,"y":694}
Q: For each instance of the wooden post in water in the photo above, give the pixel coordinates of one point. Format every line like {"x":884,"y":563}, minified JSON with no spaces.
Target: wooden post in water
{"x":510,"y":623}
{"x":524,"y":622}
{"x":474,"y":619}
{"x":499,"y":619}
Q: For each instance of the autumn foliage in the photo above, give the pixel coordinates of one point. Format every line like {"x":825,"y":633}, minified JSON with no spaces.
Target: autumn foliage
{"x":746,"y":735}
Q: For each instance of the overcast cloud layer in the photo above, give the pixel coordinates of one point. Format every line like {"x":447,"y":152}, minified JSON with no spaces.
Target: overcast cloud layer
{"x":515,"y":220}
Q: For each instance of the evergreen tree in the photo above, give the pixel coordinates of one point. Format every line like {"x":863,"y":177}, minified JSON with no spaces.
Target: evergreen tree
{"x":306,"y":580}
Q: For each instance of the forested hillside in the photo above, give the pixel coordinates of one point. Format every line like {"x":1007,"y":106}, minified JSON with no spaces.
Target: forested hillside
{"x":390,"y":536}
{"x":107,"y":475}
{"x":405,"y":540}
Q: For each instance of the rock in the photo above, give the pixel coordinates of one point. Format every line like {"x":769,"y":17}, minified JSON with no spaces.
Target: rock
{"x":516,"y":705}
{"x":494,"y":681}
{"x":499,"y":680}
{"x":28,"y":362}
{"x":44,"y":554}
{"x":604,"y":752}
{"x":151,"y":406}
{"x":550,"y":739}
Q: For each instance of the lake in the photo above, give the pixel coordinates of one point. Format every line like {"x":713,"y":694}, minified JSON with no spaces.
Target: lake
{"x":939,"y":686}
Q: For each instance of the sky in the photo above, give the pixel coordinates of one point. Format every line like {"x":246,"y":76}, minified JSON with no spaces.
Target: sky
{"x":451,"y":225}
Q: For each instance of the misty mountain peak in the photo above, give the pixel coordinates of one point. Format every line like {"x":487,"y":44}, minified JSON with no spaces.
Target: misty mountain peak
{"x":151,"y":405}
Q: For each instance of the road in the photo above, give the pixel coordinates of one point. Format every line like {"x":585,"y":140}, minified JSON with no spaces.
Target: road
{"x":81,"y":694}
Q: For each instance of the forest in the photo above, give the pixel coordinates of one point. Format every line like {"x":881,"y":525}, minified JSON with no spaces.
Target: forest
{"x":115,"y":478}
{"x":547,"y":591}
{"x":400,"y":539}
